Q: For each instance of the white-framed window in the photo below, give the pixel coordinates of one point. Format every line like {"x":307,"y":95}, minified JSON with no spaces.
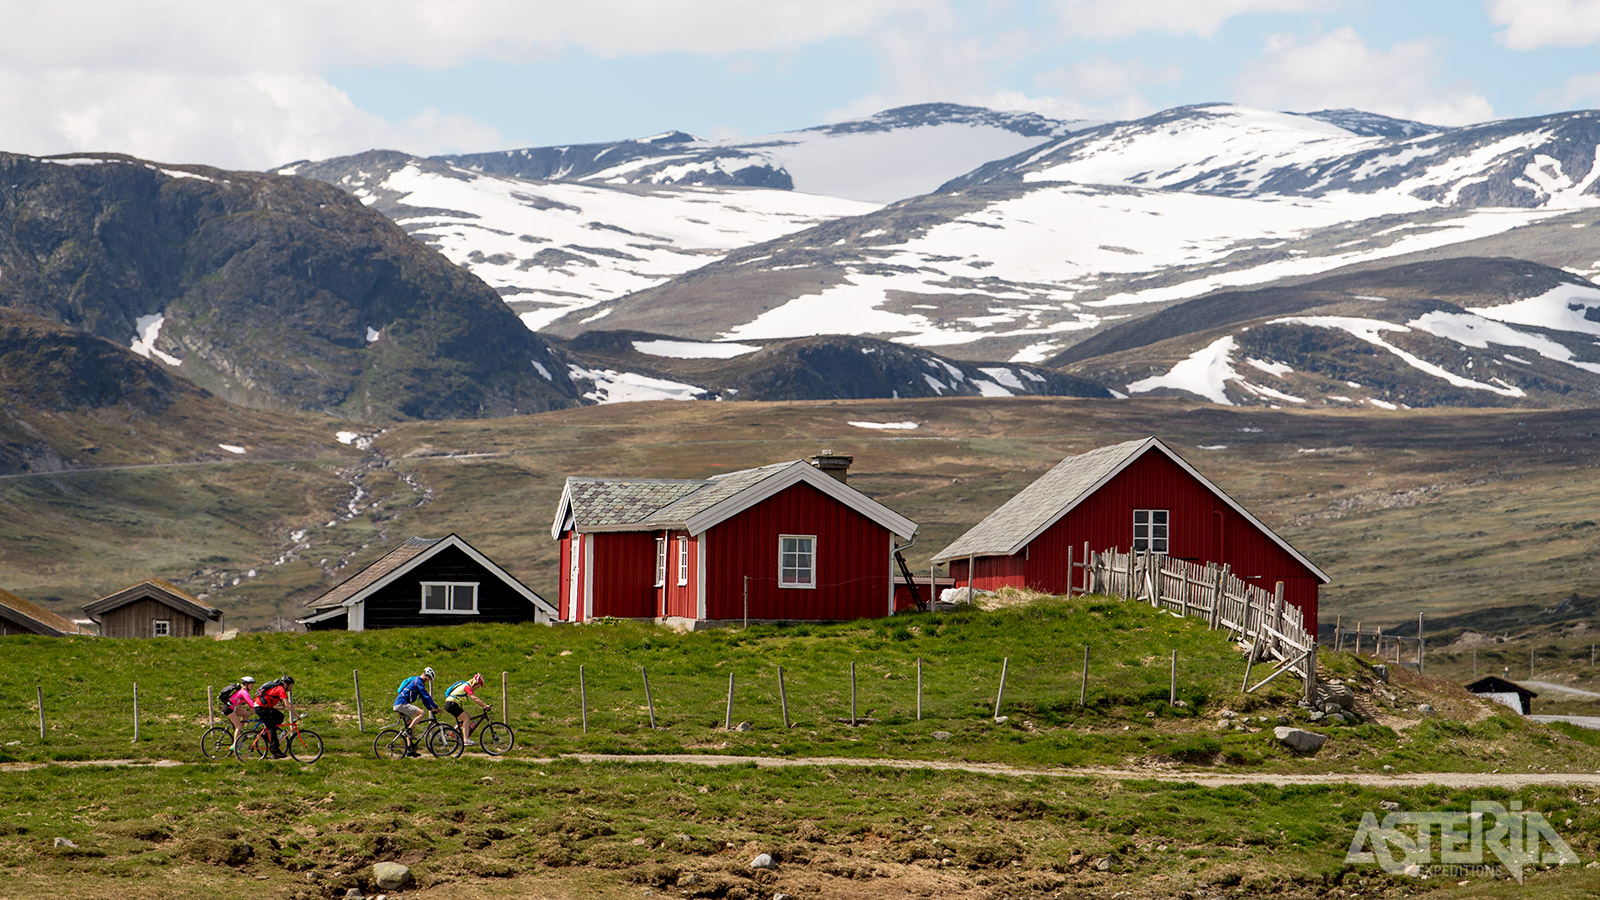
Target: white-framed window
{"x":1150,"y":530}
{"x":449,"y":597}
{"x":163,"y":628}
{"x":683,"y":561}
{"x":797,"y":560}
{"x":661,"y":561}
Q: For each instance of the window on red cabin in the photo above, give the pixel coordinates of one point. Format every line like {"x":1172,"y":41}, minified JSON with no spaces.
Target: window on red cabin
{"x":1150,"y":531}
{"x":683,"y":561}
{"x":661,"y":561}
{"x":797,"y":561}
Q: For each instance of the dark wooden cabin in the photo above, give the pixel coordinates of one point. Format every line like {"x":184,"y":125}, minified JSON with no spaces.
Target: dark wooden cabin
{"x":426,"y":582}
{"x":18,"y":616}
{"x":154,"y":608}
{"x":1501,"y":691}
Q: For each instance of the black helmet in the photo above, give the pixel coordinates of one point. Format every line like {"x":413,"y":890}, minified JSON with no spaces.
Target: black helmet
{"x":288,"y":679}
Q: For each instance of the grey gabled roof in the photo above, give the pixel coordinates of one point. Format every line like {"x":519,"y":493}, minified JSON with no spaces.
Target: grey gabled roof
{"x":159,"y":590}
{"x":385,"y":564}
{"x":647,"y":504}
{"x":34,"y":617}
{"x":1039,"y":505}
{"x":1007,"y":529}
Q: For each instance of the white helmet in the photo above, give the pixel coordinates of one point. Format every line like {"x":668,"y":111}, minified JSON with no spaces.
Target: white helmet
{"x":247,"y":680}
{"x":428,"y":673}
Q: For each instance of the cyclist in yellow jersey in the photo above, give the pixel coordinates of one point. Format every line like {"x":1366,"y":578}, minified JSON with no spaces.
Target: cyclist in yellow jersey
{"x":455,"y":698}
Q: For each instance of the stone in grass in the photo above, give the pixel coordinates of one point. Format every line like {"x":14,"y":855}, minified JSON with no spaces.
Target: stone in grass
{"x":63,"y":842}
{"x":763,"y":861}
{"x":390,"y":876}
{"x":941,"y":735}
{"x":743,"y":726}
{"x":1298,"y":740}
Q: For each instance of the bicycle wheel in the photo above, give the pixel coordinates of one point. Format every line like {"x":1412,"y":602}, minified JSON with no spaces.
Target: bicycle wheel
{"x":305,"y":747}
{"x":445,"y":741}
{"x":217,"y":742}
{"x":496,"y":738}
{"x":255,"y":748}
{"x":390,"y":743}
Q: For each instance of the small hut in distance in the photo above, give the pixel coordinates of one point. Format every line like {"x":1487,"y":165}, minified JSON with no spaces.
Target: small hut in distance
{"x":154,"y":608}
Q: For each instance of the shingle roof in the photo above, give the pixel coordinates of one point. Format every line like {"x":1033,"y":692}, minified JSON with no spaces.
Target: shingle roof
{"x":623,"y":501}
{"x":387,"y":563}
{"x":48,"y":622}
{"x":714,"y":491}
{"x":160,"y":590}
{"x":1003,"y":531}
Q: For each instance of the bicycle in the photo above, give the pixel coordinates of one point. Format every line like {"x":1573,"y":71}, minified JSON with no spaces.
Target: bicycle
{"x":302,"y":744}
{"x":397,"y":741}
{"x":495,"y":738}
{"x":217,"y":742}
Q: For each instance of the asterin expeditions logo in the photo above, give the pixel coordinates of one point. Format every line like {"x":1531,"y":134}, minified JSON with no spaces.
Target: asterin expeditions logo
{"x":1515,"y":839}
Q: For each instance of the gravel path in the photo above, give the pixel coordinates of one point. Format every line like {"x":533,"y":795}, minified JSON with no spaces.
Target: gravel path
{"x":1203,"y":778}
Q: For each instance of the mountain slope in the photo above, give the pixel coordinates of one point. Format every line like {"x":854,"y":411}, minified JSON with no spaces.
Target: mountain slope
{"x":269,"y":291}
{"x":554,"y":248}
{"x":889,"y":156}
{"x":1458,"y":332}
{"x":826,"y":367}
{"x":70,"y":400}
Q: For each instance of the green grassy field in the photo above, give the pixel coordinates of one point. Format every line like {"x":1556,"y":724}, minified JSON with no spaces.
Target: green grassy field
{"x":531,"y":825}
{"x":1442,"y":511}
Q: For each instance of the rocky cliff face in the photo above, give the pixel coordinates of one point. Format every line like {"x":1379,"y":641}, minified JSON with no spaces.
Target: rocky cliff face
{"x":270,"y":291}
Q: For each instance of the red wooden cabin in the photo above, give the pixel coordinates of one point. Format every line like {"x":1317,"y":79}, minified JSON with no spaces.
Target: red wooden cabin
{"x":1138,"y":495}
{"x":780,"y":542}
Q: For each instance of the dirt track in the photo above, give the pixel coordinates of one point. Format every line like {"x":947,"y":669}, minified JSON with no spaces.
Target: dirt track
{"x":1203,"y":778}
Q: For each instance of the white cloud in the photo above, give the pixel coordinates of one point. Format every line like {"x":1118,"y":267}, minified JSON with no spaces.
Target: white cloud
{"x":1531,"y":24}
{"x":1579,"y":92}
{"x":244,"y":85}
{"x":235,"y":121}
{"x":1339,"y":70}
{"x":1123,"y":18}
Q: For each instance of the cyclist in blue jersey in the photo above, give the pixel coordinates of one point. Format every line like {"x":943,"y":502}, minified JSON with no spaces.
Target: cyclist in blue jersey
{"x":411,"y":690}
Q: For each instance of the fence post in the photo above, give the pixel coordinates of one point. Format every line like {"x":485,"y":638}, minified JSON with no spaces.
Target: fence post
{"x":727,"y":716}
{"x":1311,"y":673}
{"x":1083,"y":688}
{"x":648,"y":701}
{"x":361,"y":721}
{"x":583,"y":698}
{"x":747,"y":601}
{"x":1000,"y":695}
{"x":853,"y":676}
{"x":919,"y":689}
{"x":783,"y":697}
{"x":1358,"y":638}
{"x":1338,"y":633}
{"x":1172,"y":695}
{"x":136,"y":712}
{"x":40,"y":690}
{"x":211,"y":707}
{"x":1088,"y":572}
{"x":505,"y":699}
{"x":1419,"y":643}
{"x":1069,"y":573}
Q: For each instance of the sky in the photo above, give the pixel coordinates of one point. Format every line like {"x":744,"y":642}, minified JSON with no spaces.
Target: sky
{"x":253,"y":86}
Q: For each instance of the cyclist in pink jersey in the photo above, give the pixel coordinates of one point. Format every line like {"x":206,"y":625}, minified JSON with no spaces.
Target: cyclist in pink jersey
{"x":241,"y":707}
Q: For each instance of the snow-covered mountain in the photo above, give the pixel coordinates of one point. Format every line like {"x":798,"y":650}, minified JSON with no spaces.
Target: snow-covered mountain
{"x":553,"y":248}
{"x":895,"y":154}
{"x":1023,"y":257}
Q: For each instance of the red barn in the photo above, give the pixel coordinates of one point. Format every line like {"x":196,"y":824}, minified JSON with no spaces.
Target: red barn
{"x":1137,"y":495}
{"x":780,"y":542}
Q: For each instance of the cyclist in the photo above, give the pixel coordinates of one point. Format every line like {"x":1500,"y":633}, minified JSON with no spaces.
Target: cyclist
{"x":413,"y":689}
{"x":241,"y":707}
{"x":272,"y":695}
{"x":453,"y":698}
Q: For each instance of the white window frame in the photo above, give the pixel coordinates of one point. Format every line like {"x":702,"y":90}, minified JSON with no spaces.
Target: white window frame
{"x":161,"y":628}
{"x":683,"y":560}
{"x":810,"y":570}
{"x":450,"y":598}
{"x":661,"y":561}
{"x":1144,"y":532}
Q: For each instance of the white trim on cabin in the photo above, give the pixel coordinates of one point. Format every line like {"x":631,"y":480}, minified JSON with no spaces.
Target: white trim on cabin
{"x":700,"y":578}
{"x":588,"y":577}
{"x":450,"y":599}
{"x":795,"y":473}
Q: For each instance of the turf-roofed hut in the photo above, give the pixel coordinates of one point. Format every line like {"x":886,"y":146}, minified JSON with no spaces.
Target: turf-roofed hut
{"x":154,"y":608}
{"x":785,"y":542}
{"x":423,"y":582}
{"x":1135,"y":496}
{"x":19,"y":616}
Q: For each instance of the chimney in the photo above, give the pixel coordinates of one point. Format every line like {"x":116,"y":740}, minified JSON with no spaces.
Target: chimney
{"x":834,"y":464}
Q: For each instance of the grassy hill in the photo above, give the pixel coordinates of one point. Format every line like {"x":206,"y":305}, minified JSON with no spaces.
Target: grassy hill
{"x":1443,"y":511}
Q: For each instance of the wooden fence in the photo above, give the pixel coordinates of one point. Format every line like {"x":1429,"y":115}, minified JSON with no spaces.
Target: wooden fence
{"x":1272,"y":630}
